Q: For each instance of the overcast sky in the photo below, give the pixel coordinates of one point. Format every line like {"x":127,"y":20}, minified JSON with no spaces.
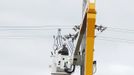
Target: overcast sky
{"x":27,"y":52}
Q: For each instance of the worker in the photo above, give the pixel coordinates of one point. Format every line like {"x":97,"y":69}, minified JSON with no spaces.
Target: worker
{"x":64,"y":50}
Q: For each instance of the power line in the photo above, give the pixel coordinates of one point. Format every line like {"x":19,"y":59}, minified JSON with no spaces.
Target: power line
{"x":117,"y":29}
{"x":47,"y":27}
{"x":38,"y":26}
{"x":112,"y":39}
{"x":35,"y":29}
{"x":23,"y":37}
{"x":51,"y":27}
{"x":121,"y":28}
{"x":109,"y":40}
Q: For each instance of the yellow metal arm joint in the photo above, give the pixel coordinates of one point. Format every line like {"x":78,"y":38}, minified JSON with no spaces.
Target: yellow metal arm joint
{"x":91,"y":8}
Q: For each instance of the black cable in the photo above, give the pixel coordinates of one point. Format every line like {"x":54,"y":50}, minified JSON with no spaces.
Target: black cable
{"x":36,"y":26}
{"x":121,"y":29}
{"x":69,"y":70}
{"x":46,"y":27}
{"x":115,"y":29}
{"x":31,"y":29}
{"x":116,"y":40}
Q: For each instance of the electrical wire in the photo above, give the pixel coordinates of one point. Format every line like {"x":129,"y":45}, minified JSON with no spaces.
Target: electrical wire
{"x":46,"y":27}
{"x":30,"y":29}
{"x":120,"y":30}
{"x":36,"y":26}
{"x":24,"y":37}
{"x":52,"y":27}
{"x":112,"y":39}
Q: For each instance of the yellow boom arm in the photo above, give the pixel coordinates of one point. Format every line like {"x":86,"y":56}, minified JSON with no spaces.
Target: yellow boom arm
{"x":90,"y":34}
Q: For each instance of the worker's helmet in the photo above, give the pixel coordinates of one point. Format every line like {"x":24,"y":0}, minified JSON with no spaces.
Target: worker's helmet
{"x":64,"y":44}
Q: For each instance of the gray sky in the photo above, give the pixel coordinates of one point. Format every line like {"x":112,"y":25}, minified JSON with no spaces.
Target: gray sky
{"x":30,"y":55}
